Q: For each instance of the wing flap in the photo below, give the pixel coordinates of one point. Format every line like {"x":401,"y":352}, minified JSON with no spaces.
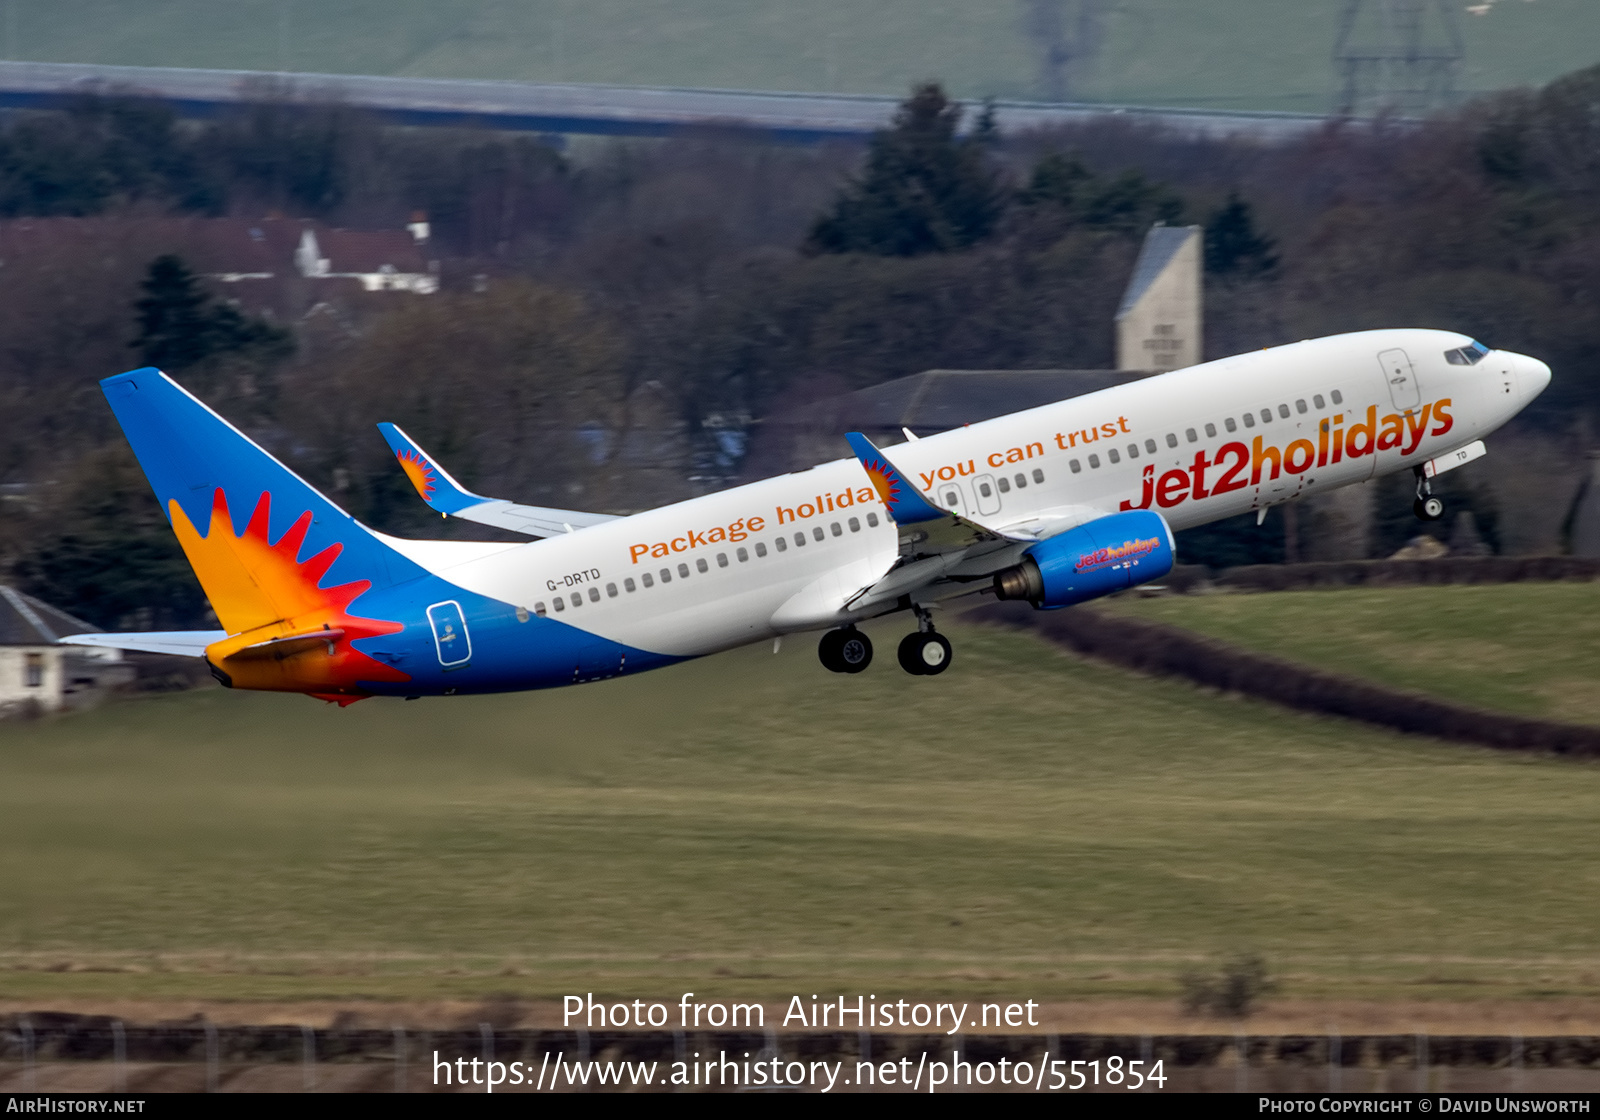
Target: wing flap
{"x":449,"y":497}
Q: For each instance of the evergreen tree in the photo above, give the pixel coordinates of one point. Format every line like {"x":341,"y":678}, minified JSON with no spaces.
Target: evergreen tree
{"x":1233,"y":247}
{"x":925,"y":189}
{"x":180,"y":325}
{"x":1129,"y":203}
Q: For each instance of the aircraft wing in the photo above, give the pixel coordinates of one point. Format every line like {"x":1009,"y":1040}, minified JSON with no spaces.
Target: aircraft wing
{"x":450,"y":498}
{"x":941,"y":548}
{"x":936,"y":545}
{"x":179,"y":643}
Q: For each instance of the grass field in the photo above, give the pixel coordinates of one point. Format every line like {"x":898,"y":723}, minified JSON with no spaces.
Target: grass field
{"x":1232,"y":53}
{"x":1532,"y":649}
{"x":749,"y":824}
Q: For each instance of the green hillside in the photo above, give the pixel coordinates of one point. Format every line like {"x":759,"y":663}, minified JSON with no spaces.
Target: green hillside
{"x":1532,"y":649}
{"x":1027,"y":823}
{"x":1228,"y":53}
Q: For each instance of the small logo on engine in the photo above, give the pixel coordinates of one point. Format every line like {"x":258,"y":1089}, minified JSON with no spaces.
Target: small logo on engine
{"x":1114,"y":556}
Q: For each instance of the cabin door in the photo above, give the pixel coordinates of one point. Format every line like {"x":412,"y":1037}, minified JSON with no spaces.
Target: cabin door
{"x":450,"y":636}
{"x":1402,"y":379}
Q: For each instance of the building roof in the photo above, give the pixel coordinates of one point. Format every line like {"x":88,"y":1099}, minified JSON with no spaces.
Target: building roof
{"x":25,"y":621}
{"x":1161,"y":244}
{"x":376,"y":250}
{"x":228,"y":247}
{"x":939,"y":399}
{"x":936,"y":400}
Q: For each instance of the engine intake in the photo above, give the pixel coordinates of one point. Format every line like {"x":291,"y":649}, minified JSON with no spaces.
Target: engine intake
{"x":1108,"y":554}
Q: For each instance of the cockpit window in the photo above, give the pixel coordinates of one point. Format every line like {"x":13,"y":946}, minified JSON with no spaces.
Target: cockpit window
{"x":1469,"y":355}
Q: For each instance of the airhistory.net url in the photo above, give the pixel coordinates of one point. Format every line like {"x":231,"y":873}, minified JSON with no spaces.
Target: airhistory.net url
{"x":555,"y":1072}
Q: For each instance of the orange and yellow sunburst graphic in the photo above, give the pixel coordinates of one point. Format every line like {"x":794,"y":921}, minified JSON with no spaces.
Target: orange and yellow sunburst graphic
{"x":418,"y":470}
{"x":884,"y":480}
{"x":262,"y":593}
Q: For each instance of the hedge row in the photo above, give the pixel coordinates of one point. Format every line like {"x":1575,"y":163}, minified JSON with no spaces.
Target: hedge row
{"x":1153,"y":647}
{"x":1384,"y":573}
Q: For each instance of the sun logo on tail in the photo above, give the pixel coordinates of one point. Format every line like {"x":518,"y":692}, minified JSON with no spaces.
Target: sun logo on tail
{"x":263,"y":592}
{"x":418,"y":470}
{"x":885,"y":480}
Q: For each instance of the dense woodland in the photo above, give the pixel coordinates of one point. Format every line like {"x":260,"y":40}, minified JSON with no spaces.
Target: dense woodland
{"x":615,"y":313}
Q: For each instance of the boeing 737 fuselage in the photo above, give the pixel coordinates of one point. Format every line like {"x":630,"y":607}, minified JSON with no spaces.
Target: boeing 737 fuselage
{"x":1053,"y":505}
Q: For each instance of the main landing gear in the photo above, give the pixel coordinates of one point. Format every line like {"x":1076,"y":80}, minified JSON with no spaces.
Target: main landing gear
{"x":846,"y":650}
{"x":1426,"y":507}
{"x":925,"y":653}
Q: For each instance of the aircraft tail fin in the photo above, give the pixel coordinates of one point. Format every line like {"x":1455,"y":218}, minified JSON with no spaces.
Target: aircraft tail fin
{"x":261,"y":539}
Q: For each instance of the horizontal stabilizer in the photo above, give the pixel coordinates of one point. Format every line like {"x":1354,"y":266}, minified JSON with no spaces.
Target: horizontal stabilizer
{"x":449,"y":497}
{"x":179,"y":643}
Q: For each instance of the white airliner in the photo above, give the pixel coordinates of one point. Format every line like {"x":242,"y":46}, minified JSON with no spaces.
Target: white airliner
{"x":1053,"y":505}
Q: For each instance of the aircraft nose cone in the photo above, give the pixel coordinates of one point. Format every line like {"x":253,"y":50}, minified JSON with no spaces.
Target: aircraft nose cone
{"x":1535,"y":375}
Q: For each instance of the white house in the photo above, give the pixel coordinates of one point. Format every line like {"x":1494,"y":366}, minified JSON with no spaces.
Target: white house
{"x":38,"y":675}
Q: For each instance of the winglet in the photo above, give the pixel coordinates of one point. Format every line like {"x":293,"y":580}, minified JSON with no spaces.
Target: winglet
{"x":432,"y":481}
{"x":906,"y":505}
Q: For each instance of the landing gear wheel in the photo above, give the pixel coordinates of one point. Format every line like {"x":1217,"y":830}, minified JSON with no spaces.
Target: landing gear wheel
{"x":846,"y":650}
{"x":1428,"y":508}
{"x":924,"y":654}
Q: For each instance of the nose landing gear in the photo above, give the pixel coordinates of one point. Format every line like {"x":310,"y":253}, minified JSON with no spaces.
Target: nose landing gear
{"x":846,"y":650}
{"x":1426,"y":507}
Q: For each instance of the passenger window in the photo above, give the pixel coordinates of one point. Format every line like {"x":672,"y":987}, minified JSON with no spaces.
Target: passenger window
{"x":538,"y":609}
{"x":817,"y":533}
{"x":1338,"y":397}
{"x":1300,"y":406}
{"x":1172,"y":440}
{"x":666,"y":575}
{"x":611,"y":590}
{"x":683,"y":570}
{"x":1133,"y":450}
{"x":836,"y":529}
{"x":594,"y":594}
{"x":761,"y":549}
{"x":985,"y":489}
{"x":1317,"y":400}
{"x":1230,"y":425}
{"x":800,"y":539}
{"x":743,"y":555}
{"x":1022,"y":483}
{"x":872,"y":520}
{"x":1005,"y":484}
{"x":1077,"y":468}
{"x":855,"y":523}
{"x":577,"y":599}
{"x":1150,"y":444}
{"x":628,"y":585}
{"x":1266,"y":415}
{"x":1249,"y":421}
{"x":649,"y":581}
{"x":700,"y":566}
{"x":783,"y":544}
{"x":1112,"y":455}
{"x":1189,"y":434}
{"x":722,"y":559}
{"x":1038,"y":475}
{"x":952,"y":499}
{"x":1283,"y":411}
{"x":561,"y":604}
{"x":1094,"y":462}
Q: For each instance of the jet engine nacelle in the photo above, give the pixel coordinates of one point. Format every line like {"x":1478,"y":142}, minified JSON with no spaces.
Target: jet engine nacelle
{"x":1105,"y":555}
